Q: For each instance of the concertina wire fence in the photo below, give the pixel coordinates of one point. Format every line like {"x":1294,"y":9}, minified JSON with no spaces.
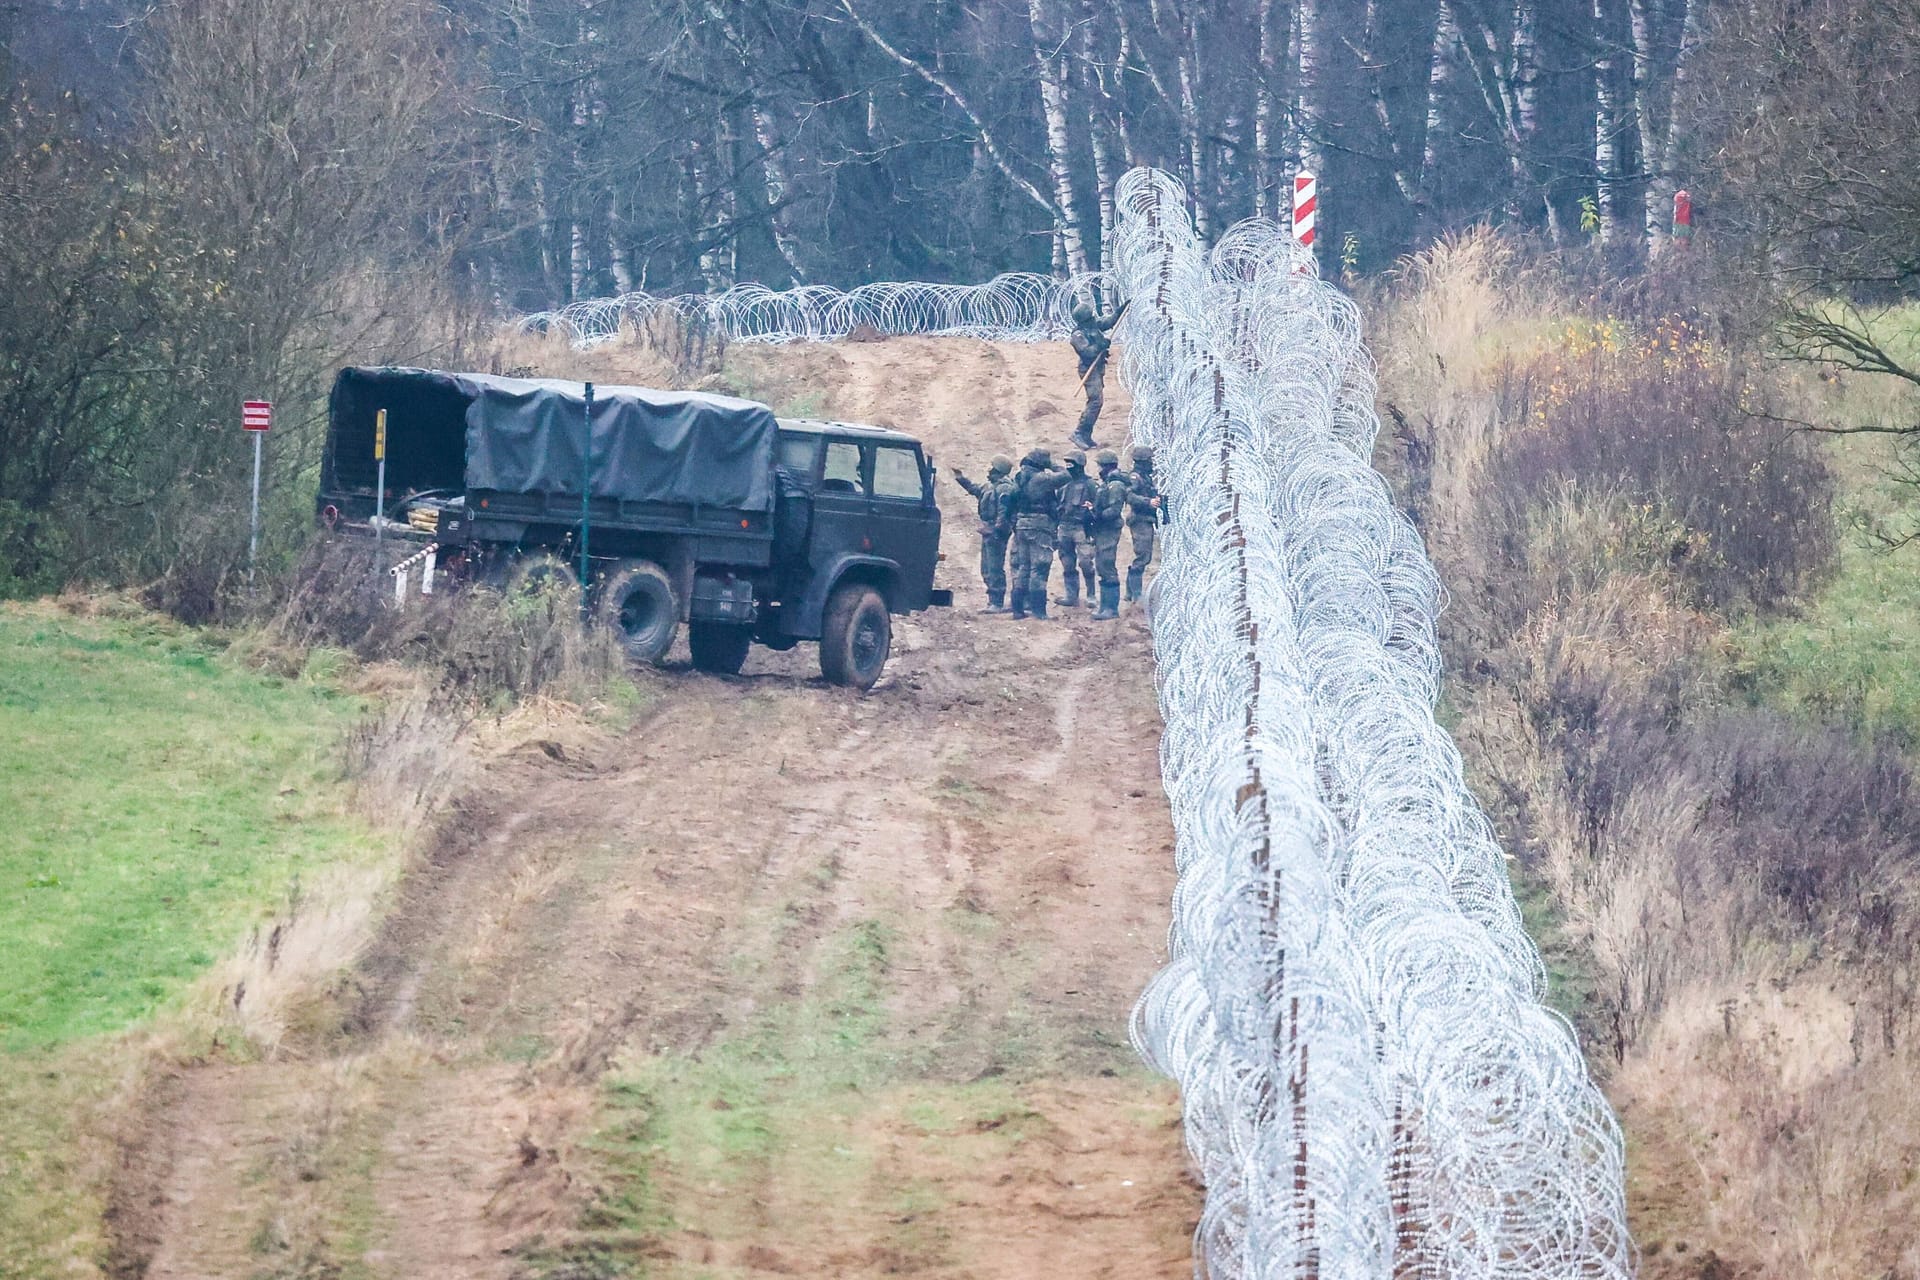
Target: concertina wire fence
{"x":1012,"y":308}
{"x":1372,"y":1086}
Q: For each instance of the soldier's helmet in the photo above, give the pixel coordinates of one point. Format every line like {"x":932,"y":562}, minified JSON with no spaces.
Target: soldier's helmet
{"x":1083,"y":312}
{"x":1107,"y":458}
{"x":1039,"y":459}
{"x":1143,"y":455}
{"x":1076,"y":459}
{"x":1000,"y":465}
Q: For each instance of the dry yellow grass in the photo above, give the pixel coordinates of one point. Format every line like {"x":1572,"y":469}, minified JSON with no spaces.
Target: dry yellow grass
{"x":1762,"y":1062}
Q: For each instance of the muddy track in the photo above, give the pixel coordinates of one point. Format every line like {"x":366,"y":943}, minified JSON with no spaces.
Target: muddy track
{"x":993,"y":806}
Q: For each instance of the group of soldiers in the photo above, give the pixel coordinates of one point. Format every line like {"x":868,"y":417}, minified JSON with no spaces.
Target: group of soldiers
{"x":1038,"y":509}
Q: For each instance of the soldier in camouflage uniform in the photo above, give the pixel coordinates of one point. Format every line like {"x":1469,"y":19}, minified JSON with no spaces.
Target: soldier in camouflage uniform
{"x":995,"y":499}
{"x":1035,"y":505}
{"x":1092,"y":345}
{"x":1143,"y":517}
{"x":1109,"y":513}
{"x":1072,"y":538}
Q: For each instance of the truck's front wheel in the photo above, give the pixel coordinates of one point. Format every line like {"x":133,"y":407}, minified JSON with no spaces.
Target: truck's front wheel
{"x":719,"y":647}
{"x":637,"y":602}
{"x":855,"y":637}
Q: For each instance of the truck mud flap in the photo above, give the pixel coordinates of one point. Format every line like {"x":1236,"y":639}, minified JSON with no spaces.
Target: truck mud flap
{"x":941,"y":598}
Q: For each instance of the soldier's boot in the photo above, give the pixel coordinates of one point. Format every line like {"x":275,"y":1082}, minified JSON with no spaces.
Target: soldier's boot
{"x":1092,"y":587}
{"x":1109,"y":602}
{"x":1072,"y":588}
{"x":996,"y":602}
{"x":1037,"y":604}
{"x":1019,"y":603}
{"x":1133,"y":583}
{"x":1083,"y":438}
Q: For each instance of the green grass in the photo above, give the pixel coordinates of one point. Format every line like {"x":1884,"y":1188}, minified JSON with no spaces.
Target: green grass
{"x":54,"y":1160}
{"x":783,"y":1092}
{"x":157,"y":797}
{"x":1852,"y":655}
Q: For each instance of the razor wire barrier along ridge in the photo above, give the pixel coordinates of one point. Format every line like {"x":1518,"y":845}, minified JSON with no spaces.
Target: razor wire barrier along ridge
{"x":1371,"y":1083}
{"x":1021,"y":307}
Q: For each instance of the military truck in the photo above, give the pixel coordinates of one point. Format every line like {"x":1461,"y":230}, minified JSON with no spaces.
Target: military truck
{"x":700,"y":509}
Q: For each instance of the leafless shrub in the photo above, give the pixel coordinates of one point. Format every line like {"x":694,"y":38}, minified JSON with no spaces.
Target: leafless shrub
{"x":409,"y":757}
{"x":474,"y":640}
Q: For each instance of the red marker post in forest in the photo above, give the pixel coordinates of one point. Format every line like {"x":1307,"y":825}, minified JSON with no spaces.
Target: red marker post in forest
{"x":1682,"y":218}
{"x":1306,"y":198}
{"x":256,"y":419}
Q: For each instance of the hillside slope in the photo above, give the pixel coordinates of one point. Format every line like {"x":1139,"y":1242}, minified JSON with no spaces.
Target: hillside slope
{"x":780,"y":981}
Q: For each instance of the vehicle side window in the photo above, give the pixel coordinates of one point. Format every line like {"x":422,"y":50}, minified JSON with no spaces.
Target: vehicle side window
{"x":796,"y":453}
{"x":896,"y":473}
{"x":843,"y":468}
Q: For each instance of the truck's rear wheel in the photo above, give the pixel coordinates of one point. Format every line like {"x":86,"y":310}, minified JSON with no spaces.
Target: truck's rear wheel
{"x":719,"y":647}
{"x":638,"y":603}
{"x":855,"y":637}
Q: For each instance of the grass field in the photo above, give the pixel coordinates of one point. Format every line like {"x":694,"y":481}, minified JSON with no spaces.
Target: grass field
{"x":156,"y":797}
{"x":1852,"y":654}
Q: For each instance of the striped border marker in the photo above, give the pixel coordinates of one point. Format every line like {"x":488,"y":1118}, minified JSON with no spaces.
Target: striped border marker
{"x":1306,"y":198}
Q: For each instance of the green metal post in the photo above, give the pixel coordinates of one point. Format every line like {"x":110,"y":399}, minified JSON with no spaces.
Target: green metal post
{"x":586,"y":487}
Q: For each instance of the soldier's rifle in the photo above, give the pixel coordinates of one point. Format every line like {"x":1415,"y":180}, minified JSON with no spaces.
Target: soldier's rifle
{"x":1103,"y":355}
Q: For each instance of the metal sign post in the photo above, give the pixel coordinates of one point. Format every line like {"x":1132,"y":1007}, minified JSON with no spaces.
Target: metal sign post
{"x":256,"y":419}
{"x":586,"y":488}
{"x":379,"y":486}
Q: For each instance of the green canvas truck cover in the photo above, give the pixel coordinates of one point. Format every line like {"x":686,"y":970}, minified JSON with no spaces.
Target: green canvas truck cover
{"x":522,"y":435}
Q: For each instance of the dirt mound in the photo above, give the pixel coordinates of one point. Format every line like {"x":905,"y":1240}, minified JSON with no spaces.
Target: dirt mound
{"x":781,"y":981}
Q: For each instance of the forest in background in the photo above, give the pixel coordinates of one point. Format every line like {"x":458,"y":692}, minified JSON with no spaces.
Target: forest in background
{"x":229,"y":198}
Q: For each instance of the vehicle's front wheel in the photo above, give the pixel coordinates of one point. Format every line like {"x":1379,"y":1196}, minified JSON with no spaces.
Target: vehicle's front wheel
{"x":638,"y":603}
{"x":719,"y":647}
{"x":855,"y":637}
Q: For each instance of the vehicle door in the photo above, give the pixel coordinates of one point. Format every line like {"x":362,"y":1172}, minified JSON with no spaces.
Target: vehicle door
{"x":842,"y":505}
{"x":905,"y":524}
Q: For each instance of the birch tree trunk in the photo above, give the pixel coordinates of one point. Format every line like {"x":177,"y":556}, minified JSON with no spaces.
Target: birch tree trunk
{"x":1623,"y":213}
{"x":1104,"y":175}
{"x":1069,"y":235}
{"x":1187,"y":60}
{"x":774,"y":171}
{"x":1265,"y":177}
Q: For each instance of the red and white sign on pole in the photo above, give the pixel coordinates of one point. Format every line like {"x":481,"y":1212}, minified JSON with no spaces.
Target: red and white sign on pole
{"x":256,"y":419}
{"x":1306,"y":198}
{"x":1682,"y":218}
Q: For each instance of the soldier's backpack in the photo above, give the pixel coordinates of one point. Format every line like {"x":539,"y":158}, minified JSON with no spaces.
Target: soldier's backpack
{"x":1029,"y":503}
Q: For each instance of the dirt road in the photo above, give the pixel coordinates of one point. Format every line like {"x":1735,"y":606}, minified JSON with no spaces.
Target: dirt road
{"x":779,"y":982}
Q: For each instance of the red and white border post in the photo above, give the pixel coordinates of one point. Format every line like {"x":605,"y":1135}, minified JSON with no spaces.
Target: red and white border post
{"x":1306,"y":199}
{"x":256,"y":419}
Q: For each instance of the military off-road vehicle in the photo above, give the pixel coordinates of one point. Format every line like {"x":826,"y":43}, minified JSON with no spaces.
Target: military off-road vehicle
{"x":700,"y":510}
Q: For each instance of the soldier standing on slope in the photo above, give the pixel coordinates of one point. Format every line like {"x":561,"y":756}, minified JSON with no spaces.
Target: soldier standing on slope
{"x":1073,"y":538}
{"x":1143,"y":517}
{"x":1109,"y":513}
{"x":995,"y":499}
{"x":1091,"y":344}
{"x":1036,"y":490}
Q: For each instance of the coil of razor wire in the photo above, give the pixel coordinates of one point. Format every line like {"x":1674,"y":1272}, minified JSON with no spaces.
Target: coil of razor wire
{"x":1020,"y":307}
{"x":1371,"y":1083}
